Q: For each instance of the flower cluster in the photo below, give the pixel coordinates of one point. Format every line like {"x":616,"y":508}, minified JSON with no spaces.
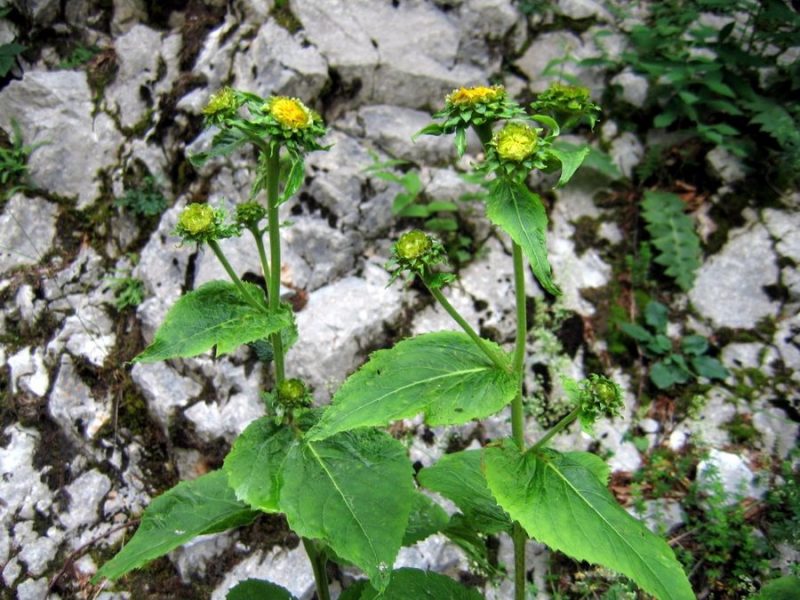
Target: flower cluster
{"x":291,"y":123}
{"x":202,"y":223}
{"x":416,"y":253}
{"x":250,"y":214}
{"x":222,"y":106}
{"x":515,"y":150}
{"x":567,"y":104}
{"x":292,"y":393}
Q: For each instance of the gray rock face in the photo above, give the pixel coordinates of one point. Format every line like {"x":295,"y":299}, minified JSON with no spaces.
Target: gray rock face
{"x":55,"y":108}
{"x":287,"y":568}
{"x":147,"y":61}
{"x":42,"y":12}
{"x":413,"y":63}
{"x":330,"y":346}
{"x":737,"y":480}
{"x":27,"y":231}
{"x":392,"y":127}
{"x":164,"y":389}
{"x":85,"y":495}
{"x":725,"y":165}
{"x":634,"y":87}
{"x":72,"y":405}
{"x":729,"y":289}
{"x":28,"y":372}
{"x":276,"y":62}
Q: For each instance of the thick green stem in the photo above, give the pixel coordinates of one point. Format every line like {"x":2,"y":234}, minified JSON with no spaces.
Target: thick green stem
{"x":518,"y":535}
{"x":557,"y":428}
{"x":232,"y":274}
{"x":273,"y":174}
{"x":500,"y":361}
{"x":318,"y":564}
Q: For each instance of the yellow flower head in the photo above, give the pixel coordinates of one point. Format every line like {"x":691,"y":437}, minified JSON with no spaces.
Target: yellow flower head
{"x":290,"y":112}
{"x":475,"y":95}
{"x":221,"y":102}
{"x":516,"y":142}
{"x":197,"y":219}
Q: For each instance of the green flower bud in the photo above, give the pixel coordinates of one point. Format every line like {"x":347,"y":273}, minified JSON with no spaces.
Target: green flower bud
{"x":598,"y":397}
{"x":293,"y":393}
{"x":222,"y":104}
{"x":197,"y":219}
{"x":567,"y":103}
{"x":515,"y":142}
{"x":413,"y":245}
{"x":250,"y":214}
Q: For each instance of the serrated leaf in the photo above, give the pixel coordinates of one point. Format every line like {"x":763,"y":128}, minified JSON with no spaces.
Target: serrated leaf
{"x":258,"y":589}
{"x":672,"y":234}
{"x":417,"y":584}
{"x":254,"y":464}
{"x":459,"y":478}
{"x":224,"y":143}
{"x":561,"y":502}
{"x":192,"y":508}
{"x":432,"y":129}
{"x":570,"y":161}
{"x":443,"y":375}
{"x":425,"y":519}
{"x":520,"y":213}
{"x":354,"y":491}
{"x":214,"y":315}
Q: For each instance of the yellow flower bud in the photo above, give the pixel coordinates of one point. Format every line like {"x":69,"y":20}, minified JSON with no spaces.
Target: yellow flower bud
{"x":197,"y":218}
{"x":413,"y":244}
{"x":516,"y":142}
{"x":221,"y":102}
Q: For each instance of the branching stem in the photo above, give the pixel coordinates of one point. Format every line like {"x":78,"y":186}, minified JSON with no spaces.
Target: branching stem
{"x":215,"y":247}
{"x":557,"y":428}
{"x":273,"y":173}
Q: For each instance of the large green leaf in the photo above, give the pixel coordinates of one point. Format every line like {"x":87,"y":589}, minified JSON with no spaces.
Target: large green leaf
{"x":255,"y":462}
{"x":203,"y":505}
{"x":416,"y":584}
{"x":258,"y":589}
{"x":354,"y":491}
{"x":215,"y":314}
{"x":520,"y":213}
{"x":442,"y":374}
{"x":425,"y":519}
{"x":458,"y":476}
{"x":561,"y":502}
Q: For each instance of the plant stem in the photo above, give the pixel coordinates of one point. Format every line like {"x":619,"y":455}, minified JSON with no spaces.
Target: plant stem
{"x":479,"y":341}
{"x":318,"y":565}
{"x":273,"y":173}
{"x":518,"y":535}
{"x":557,"y":428}
{"x":262,"y":254}
{"x":234,"y":277}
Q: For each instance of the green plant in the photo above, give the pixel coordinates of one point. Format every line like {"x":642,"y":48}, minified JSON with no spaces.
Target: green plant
{"x":144,"y":200}
{"x":672,"y":235}
{"x":346,"y":488}
{"x":128,"y":292}
{"x":8,"y":56}
{"x":79,"y":56}
{"x":706,"y":80}
{"x":670,"y":365}
{"x":437,"y":215}
{"x":13,"y":164}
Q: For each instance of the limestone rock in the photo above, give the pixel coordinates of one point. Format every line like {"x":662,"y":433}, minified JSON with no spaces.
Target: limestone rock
{"x":287,"y":568}
{"x":626,"y":152}
{"x":737,"y":479}
{"x":276,"y":62}
{"x":55,"y":108}
{"x":147,"y":61}
{"x":726,"y":166}
{"x":72,"y":405}
{"x":340,"y":323}
{"x":85,"y":495}
{"x":23,"y":493}
{"x":164,"y":389}
{"x":729,"y":288}
{"x":27,"y":231}
{"x":28,"y":372}
{"x":634,"y":87}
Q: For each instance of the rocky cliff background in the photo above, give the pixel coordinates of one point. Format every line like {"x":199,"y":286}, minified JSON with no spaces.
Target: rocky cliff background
{"x":108,"y":97}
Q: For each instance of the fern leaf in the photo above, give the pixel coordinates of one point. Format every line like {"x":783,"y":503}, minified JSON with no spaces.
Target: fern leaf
{"x":673,"y":236}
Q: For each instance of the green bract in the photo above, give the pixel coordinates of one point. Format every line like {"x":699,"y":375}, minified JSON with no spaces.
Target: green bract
{"x":292,"y":393}
{"x":250,"y":214}
{"x":223,"y":105}
{"x":598,"y":397}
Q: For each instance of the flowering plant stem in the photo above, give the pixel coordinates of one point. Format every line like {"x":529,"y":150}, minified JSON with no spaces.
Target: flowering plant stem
{"x":273,"y":173}
{"x":215,"y":247}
